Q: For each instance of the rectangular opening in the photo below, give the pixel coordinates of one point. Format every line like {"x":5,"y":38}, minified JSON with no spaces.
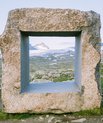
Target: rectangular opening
{"x":50,"y":62}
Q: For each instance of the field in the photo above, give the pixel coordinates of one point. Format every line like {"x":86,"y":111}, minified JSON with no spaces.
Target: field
{"x":52,"y":68}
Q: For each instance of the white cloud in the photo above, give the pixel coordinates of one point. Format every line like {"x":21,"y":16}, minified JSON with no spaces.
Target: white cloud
{"x":54,"y":42}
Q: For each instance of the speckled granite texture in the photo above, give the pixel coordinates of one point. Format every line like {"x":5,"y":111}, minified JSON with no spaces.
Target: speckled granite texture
{"x":50,"y":20}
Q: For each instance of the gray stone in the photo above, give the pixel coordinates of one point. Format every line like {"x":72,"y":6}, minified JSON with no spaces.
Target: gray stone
{"x":82,"y":120}
{"x":50,"y":120}
{"x":51,"y":20}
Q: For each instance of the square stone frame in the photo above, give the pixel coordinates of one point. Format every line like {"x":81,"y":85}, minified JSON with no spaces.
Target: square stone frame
{"x":50,"y":20}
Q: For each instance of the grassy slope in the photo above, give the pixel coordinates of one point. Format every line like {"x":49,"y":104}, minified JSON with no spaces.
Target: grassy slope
{"x":47,"y":66}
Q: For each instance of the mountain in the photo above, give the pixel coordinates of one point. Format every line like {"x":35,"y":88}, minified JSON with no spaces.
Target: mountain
{"x":41,"y":46}
{"x":44,"y":51}
{"x":38,"y":49}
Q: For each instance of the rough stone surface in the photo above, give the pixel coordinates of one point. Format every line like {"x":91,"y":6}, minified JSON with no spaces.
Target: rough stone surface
{"x":45,"y":20}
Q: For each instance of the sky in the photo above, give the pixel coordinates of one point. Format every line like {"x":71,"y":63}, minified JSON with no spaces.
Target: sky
{"x":54,"y":43}
{"x":85,"y":5}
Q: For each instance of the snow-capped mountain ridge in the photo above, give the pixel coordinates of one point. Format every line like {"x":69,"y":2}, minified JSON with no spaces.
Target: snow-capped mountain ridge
{"x":41,"y":46}
{"x":43,"y":50}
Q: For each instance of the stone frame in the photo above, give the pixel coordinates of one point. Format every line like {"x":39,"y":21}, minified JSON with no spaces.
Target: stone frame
{"x":50,"y":20}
